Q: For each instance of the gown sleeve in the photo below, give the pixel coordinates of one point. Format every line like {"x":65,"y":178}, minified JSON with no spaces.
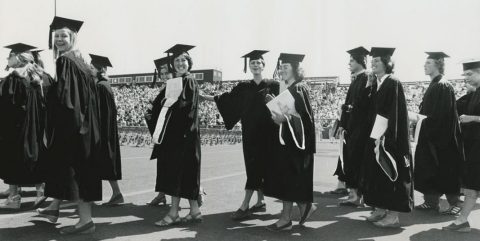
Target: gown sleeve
{"x":232,"y":105}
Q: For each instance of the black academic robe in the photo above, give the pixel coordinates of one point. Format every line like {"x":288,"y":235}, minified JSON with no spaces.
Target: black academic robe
{"x":289,"y":174}
{"x":439,"y":152}
{"x":246,"y":103}
{"x":73,"y":132}
{"x":179,"y":154}
{"x":462,"y":103}
{"x":23,"y":111}
{"x":471,"y":138}
{"x":354,"y":121}
{"x":378,"y":189}
{"x":110,"y":158}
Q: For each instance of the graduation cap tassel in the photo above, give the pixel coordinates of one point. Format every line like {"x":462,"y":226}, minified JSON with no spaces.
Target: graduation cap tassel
{"x":7,"y":68}
{"x":245,"y":65}
{"x":275,"y":73}
{"x":155,"y":74}
{"x":50,"y":38}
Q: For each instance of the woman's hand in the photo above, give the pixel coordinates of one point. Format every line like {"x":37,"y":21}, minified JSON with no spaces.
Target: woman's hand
{"x":278,"y":118}
{"x":269,"y":97}
{"x":371,"y":78}
{"x":468,"y":118}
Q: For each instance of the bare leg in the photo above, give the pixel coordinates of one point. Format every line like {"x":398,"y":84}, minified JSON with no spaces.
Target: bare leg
{"x":246,"y":199}
{"x":286,"y":215}
{"x":173,"y":212}
{"x":260,"y":198}
{"x":194,"y":209}
{"x":84,"y":213}
{"x":469,"y":204}
{"x":115,"y":188}
{"x":14,"y":190}
{"x":40,"y":189}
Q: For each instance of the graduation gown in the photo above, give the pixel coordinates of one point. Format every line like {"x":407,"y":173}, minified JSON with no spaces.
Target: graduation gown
{"x":377,"y":187}
{"x":462,"y":103}
{"x":289,"y":175}
{"x":73,"y":132}
{"x":23,"y":111}
{"x":439,"y":152}
{"x":471,"y":137}
{"x":110,"y":158}
{"x":354,"y":121}
{"x":179,"y":155}
{"x":246,"y":103}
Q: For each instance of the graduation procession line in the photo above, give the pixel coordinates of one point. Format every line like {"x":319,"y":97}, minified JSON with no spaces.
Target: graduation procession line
{"x":131,"y":194}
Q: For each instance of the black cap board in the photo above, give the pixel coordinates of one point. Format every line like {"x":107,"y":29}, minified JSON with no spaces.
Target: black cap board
{"x":381,"y":52}
{"x":254,"y":55}
{"x":20,"y":48}
{"x":100,"y":61}
{"x":59,"y":23}
{"x":291,"y":58}
{"x":471,"y":65}
{"x":436,"y":55}
{"x":360,"y":51}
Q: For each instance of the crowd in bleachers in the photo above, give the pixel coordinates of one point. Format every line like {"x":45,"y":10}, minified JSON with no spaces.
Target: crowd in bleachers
{"x":326,"y":100}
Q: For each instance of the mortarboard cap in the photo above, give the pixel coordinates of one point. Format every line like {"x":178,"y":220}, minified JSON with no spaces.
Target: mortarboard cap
{"x":360,"y":51}
{"x":381,"y":52}
{"x":474,"y":64}
{"x":20,"y":48}
{"x":436,"y":55}
{"x":161,"y":62}
{"x":59,"y":22}
{"x":255,"y":54}
{"x":179,"y":49}
{"x":291,"y":58}
{"x":100,"y":61}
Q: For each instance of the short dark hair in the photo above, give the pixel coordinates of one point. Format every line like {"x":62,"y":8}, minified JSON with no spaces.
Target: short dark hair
{"x":187,"y":56}
{"x":361,"y":60}
{"x":389,"y":64}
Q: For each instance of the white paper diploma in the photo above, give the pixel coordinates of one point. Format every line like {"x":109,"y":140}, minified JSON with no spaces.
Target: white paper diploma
{"x":174,"y":88}
{"x":284,"y":103}
{"x":379,"y":128}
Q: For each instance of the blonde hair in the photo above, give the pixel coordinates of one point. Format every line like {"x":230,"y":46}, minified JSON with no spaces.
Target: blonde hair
{"x":73,"y":42}
{"x":33,"y":72}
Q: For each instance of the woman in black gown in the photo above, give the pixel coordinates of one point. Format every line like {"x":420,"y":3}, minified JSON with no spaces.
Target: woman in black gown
{"x":470,"y":121}
{"x":246,"y":103}
{"x":290,"y":174}
{"x":23,"y":107}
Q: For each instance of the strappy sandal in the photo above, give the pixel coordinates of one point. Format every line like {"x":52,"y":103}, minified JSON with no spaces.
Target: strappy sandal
{"x":426,"y":207}
{"x":453,"y":210}
{"x":195,"y":218}
{"x":168,"y":221}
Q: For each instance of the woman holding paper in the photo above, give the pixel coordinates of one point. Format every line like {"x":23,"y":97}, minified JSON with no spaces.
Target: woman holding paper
{"x":290,"y":174}
{"x":386,"y":179}
{"x":246,"y":103}
{"x":177,"y":140}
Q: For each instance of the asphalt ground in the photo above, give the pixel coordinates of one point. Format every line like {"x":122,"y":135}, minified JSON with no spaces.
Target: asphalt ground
{"x":223,"y":177}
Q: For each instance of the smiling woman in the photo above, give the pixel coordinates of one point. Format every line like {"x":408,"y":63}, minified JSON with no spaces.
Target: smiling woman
{"x":73,"y":131}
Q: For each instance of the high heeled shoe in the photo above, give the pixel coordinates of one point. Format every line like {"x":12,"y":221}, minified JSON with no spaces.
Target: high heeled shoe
{"x":51,"y":215}
{"x":84,"y":229}
{"x":157,"y":200}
